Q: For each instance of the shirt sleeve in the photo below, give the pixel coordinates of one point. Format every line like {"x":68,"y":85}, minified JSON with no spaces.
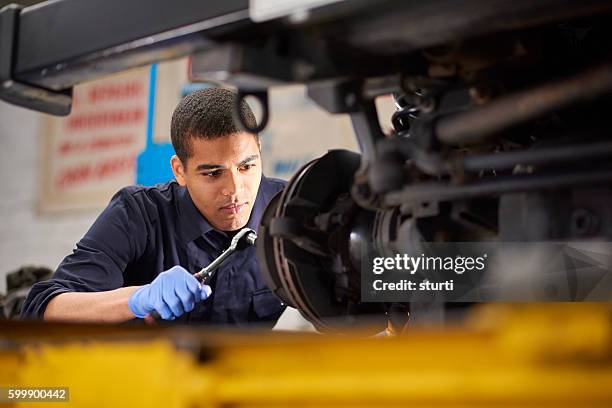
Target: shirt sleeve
{"x":117,"y":237}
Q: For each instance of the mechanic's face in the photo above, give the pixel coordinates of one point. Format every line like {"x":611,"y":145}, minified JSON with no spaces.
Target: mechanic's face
{"x":222,"y":177}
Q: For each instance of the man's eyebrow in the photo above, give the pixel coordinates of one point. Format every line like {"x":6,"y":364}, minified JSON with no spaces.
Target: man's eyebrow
{"x":248,"y":159}
{"x":209,"y":167}
{"x":205,"y":166}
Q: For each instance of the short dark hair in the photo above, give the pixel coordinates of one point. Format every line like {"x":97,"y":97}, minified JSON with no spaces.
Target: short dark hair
{"x":206,"y":114}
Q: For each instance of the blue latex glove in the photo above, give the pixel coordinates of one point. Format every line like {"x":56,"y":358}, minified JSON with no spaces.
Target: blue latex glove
{"x":171,"y":293}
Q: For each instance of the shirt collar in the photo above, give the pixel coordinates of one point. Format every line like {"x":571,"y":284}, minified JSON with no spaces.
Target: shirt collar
{"x":194,"y":224}
{"x":260,"y":205}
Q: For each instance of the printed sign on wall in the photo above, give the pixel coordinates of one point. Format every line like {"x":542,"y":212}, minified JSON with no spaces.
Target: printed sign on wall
{"x":90,"y":154}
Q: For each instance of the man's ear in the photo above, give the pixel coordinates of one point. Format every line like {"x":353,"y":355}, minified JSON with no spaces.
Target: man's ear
{"x":178,"y":169}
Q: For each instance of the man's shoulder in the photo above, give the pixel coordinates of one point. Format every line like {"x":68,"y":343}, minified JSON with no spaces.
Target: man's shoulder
{"x":147,"y":203}
{"x":162,"y":190}
{"x":158,"y":194}
{"x":273,"y":185}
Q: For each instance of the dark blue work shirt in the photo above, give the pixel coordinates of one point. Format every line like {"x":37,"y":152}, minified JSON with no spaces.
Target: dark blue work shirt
{"x":147,"y":230}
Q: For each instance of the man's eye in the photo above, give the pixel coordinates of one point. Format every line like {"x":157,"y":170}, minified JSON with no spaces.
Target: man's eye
{"x":212,"y":174}
{"x":247,"y":166}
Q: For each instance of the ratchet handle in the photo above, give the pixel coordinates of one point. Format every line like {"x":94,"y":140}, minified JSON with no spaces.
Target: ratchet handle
{"x":205,"y":275}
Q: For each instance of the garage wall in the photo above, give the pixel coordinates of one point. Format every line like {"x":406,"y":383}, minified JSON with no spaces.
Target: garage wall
{"x":27,"y":238}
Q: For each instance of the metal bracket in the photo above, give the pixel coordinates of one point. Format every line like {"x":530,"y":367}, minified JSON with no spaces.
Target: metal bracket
{"x":336,"y":96}
{"x":347,"y":96}
{"x":19,"y":93}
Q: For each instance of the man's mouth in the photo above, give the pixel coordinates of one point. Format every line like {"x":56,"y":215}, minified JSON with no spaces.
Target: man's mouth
{"x":233,"y":208}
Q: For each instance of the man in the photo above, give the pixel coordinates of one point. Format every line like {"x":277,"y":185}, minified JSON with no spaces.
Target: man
{"x":141,"y":252}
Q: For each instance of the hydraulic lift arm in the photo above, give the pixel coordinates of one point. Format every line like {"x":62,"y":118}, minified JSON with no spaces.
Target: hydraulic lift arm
{"x":47,"y":48}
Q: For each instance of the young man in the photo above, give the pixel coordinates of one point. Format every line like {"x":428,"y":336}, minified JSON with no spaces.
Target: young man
{"x":141,"y":252}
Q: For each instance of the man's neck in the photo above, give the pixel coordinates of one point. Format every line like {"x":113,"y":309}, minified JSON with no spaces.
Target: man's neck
{"x":231,"y":234}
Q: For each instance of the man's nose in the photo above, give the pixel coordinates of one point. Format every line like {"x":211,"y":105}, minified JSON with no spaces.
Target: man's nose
{"x":232,"y":184}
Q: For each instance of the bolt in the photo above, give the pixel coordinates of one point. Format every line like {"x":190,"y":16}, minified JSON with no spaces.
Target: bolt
{"x":350,"y":99}
{"x":584,"y":222}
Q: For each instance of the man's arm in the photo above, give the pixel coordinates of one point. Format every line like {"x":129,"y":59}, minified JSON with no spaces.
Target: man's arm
{"x":171,"y":294}
{"x":88,"y":284}
{"x":96,"y":307}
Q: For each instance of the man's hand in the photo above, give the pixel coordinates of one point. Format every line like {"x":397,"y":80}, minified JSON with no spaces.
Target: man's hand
{"x":171,"y":294}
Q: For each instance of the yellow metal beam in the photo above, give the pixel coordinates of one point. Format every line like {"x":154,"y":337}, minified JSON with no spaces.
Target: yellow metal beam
{"x":510,"y":355}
